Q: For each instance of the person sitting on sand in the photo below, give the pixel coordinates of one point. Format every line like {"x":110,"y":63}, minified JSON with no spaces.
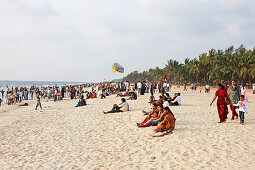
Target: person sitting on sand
{"x":175,"y":96}
{"x":152,"y":115}
{"x":133,"y":96}
{"x":94,"y":95}
{"x":168,"y":123}
{"x":160,"y":101}
{"x":90,"y":95}
{"x":152,"y":99}
{"x":154,"y":121}
{"x":149,"y":112}
{"x":82,"y":102}
{"x":122,"y":107}
{"x":168,"y":98}
{"x":166,"y":103}
{"x":177,"y":100}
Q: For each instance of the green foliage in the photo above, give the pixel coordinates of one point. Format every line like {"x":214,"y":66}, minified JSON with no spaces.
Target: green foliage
{"x":211,"y":67}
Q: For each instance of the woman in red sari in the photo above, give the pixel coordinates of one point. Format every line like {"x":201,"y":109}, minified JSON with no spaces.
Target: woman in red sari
{"x":221,"y":102}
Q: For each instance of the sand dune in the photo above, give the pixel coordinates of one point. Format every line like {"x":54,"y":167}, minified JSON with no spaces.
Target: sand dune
{"x":63,"y":137}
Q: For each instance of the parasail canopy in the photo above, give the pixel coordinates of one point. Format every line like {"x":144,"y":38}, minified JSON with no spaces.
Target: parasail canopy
{"x":117,"y":67}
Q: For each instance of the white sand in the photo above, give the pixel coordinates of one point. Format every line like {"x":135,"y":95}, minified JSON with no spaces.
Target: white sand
{"x":64,"y":137}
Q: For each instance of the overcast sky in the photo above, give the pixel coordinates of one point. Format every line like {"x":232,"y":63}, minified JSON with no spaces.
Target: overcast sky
{"x":79,"y":40}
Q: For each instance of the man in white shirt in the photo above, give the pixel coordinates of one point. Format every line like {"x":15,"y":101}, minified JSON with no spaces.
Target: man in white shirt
{"x":165,"y":87}
{"x":166,"y":103}
{"x":20,"y":96}
{"x":126,"y":85}
{"x":207,"y":88}
{"x":122,"y":107}
{"x":139,"y":86}
{"x":177,"y":101}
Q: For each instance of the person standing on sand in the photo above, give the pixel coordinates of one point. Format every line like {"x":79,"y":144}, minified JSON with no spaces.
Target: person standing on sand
{"x":2,"y":93}
{"x":242,"y":109}
{"x":38,"y":100}
{"x":234,"y":93}
{"x":243,"y":92}
{"x":185,"y":87}
{"x":221,"y":103}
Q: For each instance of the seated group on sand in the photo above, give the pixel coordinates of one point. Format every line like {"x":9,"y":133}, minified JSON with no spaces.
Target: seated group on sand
{"x":166,"y":100}
{"x":159,"y":116}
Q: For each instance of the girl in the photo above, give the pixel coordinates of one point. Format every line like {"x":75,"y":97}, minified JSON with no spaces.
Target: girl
{"x":243,"y":92}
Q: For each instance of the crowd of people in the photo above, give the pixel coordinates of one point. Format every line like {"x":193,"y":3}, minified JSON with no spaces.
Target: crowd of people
{"x":160,"y":115}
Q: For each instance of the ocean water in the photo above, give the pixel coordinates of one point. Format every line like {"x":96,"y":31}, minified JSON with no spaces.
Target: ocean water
{"x":4,"y":84}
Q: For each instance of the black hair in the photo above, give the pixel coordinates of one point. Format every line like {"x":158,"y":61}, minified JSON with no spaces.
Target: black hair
{"x":155,"y":104}
{"x":242,"y":96}
{"x":167,"y":108}
{"x":178,"y":94}
{"x":221,"y":86}
{"x":123,"y":100}
{"x":160,"y":97}
{"x":161,"y":106}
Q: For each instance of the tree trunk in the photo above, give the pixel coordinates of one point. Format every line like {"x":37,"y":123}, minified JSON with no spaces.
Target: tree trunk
{"x":250,"y":83}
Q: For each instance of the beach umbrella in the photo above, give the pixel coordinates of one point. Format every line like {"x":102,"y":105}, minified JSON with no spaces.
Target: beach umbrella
{"x":117,"y":67}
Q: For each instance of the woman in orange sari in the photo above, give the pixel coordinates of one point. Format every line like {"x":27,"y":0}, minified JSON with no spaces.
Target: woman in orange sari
{"x":153,"y":114}
{"x":168,"y":123}
{"x":221,"y":102}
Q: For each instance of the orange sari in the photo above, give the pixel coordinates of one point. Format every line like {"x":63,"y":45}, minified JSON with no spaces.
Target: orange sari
{"x":167,"y":124}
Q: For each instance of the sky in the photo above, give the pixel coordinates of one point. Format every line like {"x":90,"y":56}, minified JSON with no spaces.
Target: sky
{"x":79,"y":40}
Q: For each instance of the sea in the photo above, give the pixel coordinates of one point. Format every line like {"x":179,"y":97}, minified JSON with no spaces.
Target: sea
{"x":5,"y":84}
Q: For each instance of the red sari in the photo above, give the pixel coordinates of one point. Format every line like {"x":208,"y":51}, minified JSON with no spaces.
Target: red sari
{"x":222,"y":105}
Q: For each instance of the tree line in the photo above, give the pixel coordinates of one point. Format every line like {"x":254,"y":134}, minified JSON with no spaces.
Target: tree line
{"x":208,"y":68}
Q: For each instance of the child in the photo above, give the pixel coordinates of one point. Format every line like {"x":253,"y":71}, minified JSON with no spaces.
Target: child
{"x":242,"y":109}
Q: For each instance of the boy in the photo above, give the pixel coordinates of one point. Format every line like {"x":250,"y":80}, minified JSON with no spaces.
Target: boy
{"x":242,"y":109}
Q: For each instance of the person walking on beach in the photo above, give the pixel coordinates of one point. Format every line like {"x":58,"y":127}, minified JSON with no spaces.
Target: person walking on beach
{"x":242,"y":109}
{"x":139,"y":86}
{"x":2,"y":94}
{"x":185,"y":87}
{"x":243,"y":92}
{"x":234,"y":93}
{"x":221,"y":103}
{"x":38,"y":100}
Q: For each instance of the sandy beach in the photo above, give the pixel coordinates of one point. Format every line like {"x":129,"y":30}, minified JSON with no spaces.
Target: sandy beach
{"x":63,"y":137}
